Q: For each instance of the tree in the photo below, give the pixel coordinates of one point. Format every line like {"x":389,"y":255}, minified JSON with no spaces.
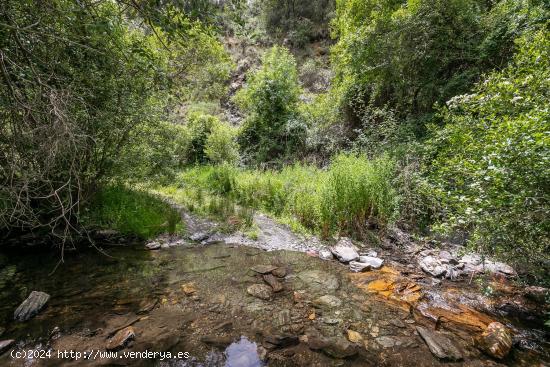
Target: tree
{"x":272,"y":128}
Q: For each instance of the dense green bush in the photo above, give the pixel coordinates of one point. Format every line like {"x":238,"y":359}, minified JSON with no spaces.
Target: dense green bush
{"x":491,"y":161}
{"x":221,"y":146}
{"x":273,"y":128}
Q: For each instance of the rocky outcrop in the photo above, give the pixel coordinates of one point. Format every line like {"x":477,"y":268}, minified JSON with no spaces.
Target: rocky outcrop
{"x":496,"y":340}
{"x":31,"y":306}
{"x":440,"y":345}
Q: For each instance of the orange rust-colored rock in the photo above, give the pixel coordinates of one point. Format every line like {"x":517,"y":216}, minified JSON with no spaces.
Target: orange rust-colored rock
{"x":496,"y":340}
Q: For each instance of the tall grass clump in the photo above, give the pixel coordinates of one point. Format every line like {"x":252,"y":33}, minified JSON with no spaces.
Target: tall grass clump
{"x":352,"y":191}
{"x":132,"y":212}
{"x":355,"y":191}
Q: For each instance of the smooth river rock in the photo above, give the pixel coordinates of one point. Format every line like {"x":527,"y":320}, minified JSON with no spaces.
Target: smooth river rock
{"x":440,"y":345}
{"x":373,"y":262}
{"x":31,"y":306}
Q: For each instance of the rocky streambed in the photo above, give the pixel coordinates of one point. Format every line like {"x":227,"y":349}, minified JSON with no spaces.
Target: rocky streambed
{"x":226,"y":301}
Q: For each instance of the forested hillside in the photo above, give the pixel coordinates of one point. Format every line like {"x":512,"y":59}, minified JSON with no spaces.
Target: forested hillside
{"x":363,"y":119}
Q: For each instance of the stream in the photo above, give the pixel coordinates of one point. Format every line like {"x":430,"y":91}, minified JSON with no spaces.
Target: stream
{"x":195,"y":299}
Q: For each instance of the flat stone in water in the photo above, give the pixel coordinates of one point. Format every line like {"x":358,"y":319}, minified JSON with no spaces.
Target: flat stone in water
{"x":440,"y":346}
{"x":31,"y":306}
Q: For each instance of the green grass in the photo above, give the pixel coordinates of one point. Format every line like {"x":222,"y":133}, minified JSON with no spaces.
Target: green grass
{"x":339,"y":199}
{"x":134,"y":212}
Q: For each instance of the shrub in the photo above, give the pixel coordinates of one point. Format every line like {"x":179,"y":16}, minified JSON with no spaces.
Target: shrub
{"x":273,"y":129}
{"x":221,"y":145}
{"x":491,"y":160}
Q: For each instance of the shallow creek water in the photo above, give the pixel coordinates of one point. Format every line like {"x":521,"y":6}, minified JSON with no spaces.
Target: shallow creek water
{"x":195,"y":300}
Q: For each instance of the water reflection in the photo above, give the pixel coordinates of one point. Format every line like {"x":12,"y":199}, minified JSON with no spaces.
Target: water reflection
{"x":242,"y":353}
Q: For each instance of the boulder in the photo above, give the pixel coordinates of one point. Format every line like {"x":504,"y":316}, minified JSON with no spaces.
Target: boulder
{"x":260,"y":291}
{"x":344,"y":250}
{"x":31,"y":306}
{"x":327,"y":301}
{"x":440,"y":345}
{"x":496,"y":340}
{"x":121,"y":338}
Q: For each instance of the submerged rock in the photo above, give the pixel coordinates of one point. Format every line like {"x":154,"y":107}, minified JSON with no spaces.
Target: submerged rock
{"x":5,"y":344}
{"x":354,"y":336}
{"x":260,"y":291}
{"x":273,"y":282}
{"x":344,"y":250}
{"x":440,"y":346}
{"x":279,"y":272}
{"x":320,"y":280}
{"x":496,"y":340}
{"x":121,"y":338}
{"x":327,"y":301}
{"x":337,"y":347}
{"x":31,"y":306}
